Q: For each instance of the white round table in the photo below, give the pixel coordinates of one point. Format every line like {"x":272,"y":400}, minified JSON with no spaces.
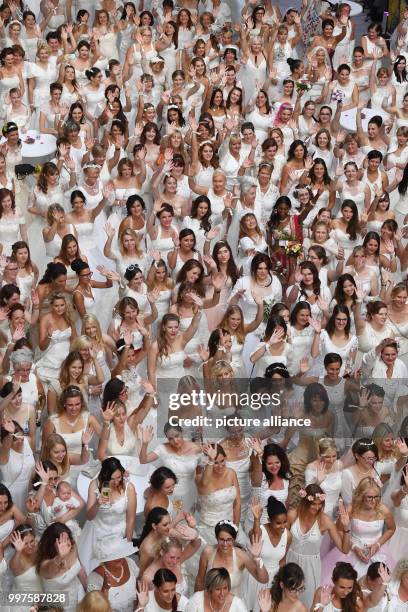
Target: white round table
{"x":348,"y":118}
{"x":41,"y":150}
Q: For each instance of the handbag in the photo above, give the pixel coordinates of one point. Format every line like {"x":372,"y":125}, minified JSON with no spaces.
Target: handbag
{"x":23,"y":170}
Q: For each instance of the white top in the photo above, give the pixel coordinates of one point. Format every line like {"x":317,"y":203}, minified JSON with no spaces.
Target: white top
{"x":196,"y":604}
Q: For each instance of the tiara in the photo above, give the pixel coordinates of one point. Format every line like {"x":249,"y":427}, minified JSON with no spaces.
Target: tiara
{"x":230,"y":523}
{"x":170,"y":106}
{"x":86,"y":166}
{"x":205,"y":142}
{"x":26,"y":530}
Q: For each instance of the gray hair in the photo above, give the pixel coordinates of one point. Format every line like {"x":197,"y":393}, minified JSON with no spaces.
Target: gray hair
{"x":247,"y":184}
{"x":23,"y":355}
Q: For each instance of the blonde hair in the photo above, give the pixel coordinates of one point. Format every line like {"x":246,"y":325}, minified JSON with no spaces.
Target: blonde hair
{"x":168,"y":543}
{"x":239,"y":333}
{"x":359,"y":493}
{"x":42,"y":46}
{"x":94,"y":602}
{"x":130,"y":232}
{"x":68,"y":314}
{"x":219,"y":172}
{"x":80,"y":343}
{"x":47,"y":447}
{"x":220,"y":366}
{"x":381,"y":431}
{"x":400,"y":569}
{"x":51,"y":209}
{"x":92,"y":320}
{"x":325,"y":445}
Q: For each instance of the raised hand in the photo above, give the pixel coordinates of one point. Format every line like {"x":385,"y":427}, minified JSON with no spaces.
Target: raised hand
{"x":42,"y":473}
{"x":87,"y":435}
{"x":109,"y":230}
{"x":63,"y":545}
{"x":315,"y":324}
{"x":325,"y":594}
{"x":17,"y":541}
{"x":256,"y":508}
{"x":142,"y":592}
{"x":147,"y":386}
{"x":146,"y":434}
{"x":277,"y":336}
{"x":298,"y":275}
{"x":402,"y":447}
{"x":265,"y":600}
{"x":257,"y":299}
{"x":384,"y":573}
{"x":344,"y":517}
{"x":304,"y":365}
{"x":255,"y":547}
{"x":109,"y":412}
{"x":256,"y":445}
{"x":8,"y":425}
{"x":209,"y":450}
{"x":213,"y":233}
{"x":363,"y":397}
{"x":203,"y":352}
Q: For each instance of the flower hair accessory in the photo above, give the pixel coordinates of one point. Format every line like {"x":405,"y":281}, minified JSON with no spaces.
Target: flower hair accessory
{"x":230,"y":523}
{"x":317,"y":496}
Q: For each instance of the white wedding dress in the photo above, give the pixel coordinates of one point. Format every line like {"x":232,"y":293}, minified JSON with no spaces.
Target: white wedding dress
{"x":184,"y":468}
{"x":104,"y":534}
{"x":27,"y":582}
{"x":48,"y":366}
{"x":214,"y":507}
{"x":67,"y":583}
{"x":305,"y":551}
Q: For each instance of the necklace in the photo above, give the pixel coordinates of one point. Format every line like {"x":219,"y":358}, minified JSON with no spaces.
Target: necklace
{"x":364,"y":473}
{"x":72,"y":424}
{"x":116,"y":579}
{"x":215,"y":609}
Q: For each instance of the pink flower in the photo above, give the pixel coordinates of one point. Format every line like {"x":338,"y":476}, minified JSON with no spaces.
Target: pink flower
{"x":302,"y":493}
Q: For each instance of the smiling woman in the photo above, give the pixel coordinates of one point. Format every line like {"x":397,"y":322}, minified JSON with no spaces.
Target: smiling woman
{"x":75,"y":425}
{"x":111,"y":513}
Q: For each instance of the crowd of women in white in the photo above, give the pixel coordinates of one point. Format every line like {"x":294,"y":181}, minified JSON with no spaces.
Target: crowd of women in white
{"x":227,"y":199}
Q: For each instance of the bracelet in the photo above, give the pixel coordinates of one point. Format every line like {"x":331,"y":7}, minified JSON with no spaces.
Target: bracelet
{"x":348,"y":531}
{"x":210,"y":463}
{"x":359,"y":301}
{"x":406,"y":456}
{"x":85,"y":446}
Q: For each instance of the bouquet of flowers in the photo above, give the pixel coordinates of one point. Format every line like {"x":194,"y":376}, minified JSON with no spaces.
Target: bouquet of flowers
{"x":302,"y":85}
{"x":268,"y":305}
{"x":292,"y":245}
{"x":337,"y":95}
